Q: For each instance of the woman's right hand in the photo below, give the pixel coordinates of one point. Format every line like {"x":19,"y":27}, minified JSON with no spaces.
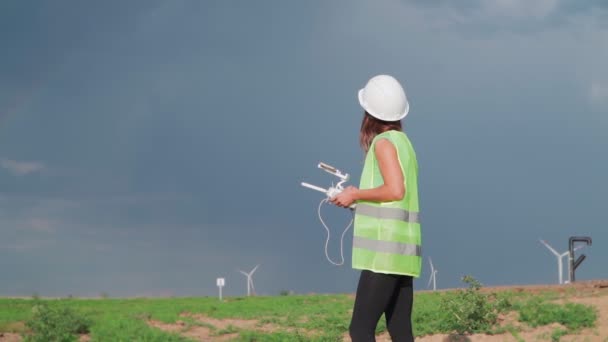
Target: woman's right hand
{"x":346,"y":198}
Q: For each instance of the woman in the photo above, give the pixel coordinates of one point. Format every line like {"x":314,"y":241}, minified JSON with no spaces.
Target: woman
{"x":386,"y":238}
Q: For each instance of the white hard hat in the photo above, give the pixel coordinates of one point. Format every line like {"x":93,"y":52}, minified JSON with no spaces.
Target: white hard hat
{"x":384,"y":98}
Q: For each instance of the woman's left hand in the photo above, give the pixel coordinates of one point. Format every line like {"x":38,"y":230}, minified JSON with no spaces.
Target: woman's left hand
{"x":346,"y":197}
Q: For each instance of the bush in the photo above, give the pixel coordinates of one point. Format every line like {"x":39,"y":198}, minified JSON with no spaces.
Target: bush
{"x":55,"y":324}
{"x":573,"y":316}
{"x":471,"y":311}
{"x":557,"y":334}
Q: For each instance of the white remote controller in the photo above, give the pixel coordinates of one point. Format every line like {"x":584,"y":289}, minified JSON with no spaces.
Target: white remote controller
{"x":332,"y":191}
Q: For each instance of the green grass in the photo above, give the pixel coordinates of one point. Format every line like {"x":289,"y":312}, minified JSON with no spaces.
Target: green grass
{"x":536,"y":312}
{"x":293,"y":318}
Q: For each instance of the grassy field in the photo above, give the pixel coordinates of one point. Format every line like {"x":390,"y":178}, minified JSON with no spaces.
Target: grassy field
{"x":285,"y":318}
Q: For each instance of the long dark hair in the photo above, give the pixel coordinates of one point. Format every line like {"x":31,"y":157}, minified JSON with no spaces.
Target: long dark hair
{"x":370,"y":127}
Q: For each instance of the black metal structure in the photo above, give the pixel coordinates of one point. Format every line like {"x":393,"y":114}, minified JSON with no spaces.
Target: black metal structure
{"x":574,"y":264}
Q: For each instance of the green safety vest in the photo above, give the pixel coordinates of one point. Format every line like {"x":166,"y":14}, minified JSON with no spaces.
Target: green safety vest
{"x":386,"y":236}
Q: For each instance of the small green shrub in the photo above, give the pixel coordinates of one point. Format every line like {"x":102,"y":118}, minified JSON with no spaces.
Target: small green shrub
{"x":535,"y":312}
{"x":557,"y":334}
{"x":54,"y":323}
{"x":471,"y":311}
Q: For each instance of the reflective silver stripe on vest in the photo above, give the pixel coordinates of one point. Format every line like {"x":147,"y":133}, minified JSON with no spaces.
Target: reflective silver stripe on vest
{"x":387,"y":213}
{"x":387,"y":246}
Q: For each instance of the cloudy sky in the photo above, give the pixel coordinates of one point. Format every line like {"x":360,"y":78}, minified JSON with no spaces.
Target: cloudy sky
{"x":148,"y":147}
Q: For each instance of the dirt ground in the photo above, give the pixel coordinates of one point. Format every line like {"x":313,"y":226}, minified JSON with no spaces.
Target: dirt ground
{"x":9,"y":337}
{"x":204,"y":332}
{"x":594,"y":293}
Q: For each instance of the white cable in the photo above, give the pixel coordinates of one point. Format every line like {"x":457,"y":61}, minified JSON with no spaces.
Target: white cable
{"x":328,"y":235}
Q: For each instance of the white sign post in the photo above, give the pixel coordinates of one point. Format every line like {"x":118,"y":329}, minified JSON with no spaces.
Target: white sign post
{"x":220,"y":283}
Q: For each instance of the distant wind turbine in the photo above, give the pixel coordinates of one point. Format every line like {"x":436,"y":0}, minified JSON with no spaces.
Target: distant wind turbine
{"x":250,"y":288}
{"x":433,"y":276}
{"x":559,"y":258}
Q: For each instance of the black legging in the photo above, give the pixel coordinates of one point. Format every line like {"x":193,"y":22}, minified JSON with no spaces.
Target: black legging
{"x":379,"y":293}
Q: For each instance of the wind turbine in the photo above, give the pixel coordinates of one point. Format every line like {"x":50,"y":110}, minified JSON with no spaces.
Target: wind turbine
{"x":433,"y":276}
{"x":250,"y":287}
{"x":559,"y":258}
